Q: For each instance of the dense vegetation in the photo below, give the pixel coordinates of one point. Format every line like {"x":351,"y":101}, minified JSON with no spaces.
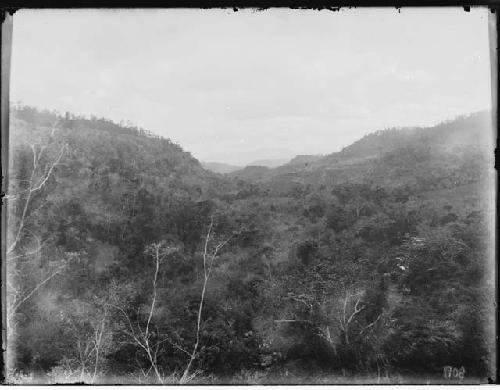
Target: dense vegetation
{"x":128,"y":262}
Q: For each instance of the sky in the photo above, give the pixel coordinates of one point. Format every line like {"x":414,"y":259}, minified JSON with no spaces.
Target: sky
{"x":236,"y":87}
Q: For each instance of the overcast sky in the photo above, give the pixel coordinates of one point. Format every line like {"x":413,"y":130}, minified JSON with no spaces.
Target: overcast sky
{"x":241,"y":86}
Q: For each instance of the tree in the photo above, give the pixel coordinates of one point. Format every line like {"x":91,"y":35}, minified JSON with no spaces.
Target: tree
{"x":89,"y":327}
{"x":41,"y":172}
{"x":210,"y":251}
{"x":148,"y":340}
{"x":44,"y":160}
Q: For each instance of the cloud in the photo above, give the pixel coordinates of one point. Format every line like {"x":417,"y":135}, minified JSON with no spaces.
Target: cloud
{"x":300,"y":81}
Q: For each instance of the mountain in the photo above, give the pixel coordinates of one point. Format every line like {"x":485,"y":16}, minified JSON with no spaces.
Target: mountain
{"x":219,"y":167}
{"x":269,"y":163}
{"x":257,"y":170}
{"x":392,"y":157}
{"x":124,"y":180}
{"x":303,"y":160}
{"x":452,"y":134}
{"x":251,"y":173}
{"x":224,"y":168}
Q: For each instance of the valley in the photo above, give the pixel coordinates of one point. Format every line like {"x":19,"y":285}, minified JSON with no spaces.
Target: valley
{"x":130,"y":259}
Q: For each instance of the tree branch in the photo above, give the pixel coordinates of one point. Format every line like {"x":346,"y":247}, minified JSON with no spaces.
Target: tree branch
{"x":35,"y":289}
{"x":32,"y":189}
{"x":185,"y":376}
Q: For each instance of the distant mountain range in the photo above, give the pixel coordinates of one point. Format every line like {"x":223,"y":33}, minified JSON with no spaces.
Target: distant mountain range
{"x":224,"y":168}
{"x":270,"y":163}
{"x":218,"y":167}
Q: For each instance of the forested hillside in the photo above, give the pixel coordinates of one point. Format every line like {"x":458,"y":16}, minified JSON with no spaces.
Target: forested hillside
{"x":395,"y":157}
{"x":130,"y":263}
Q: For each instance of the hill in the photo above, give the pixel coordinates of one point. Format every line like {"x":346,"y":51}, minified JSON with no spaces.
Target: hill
{"x":457,"y":133}
{"x":304,"y":160}
{"x":393,"y":157}
{"x":251,"y":173}
{"x":122,"y":181}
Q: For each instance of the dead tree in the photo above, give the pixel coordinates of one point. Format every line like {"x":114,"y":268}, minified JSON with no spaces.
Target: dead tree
{"x":40,"y":174}
{"x":19,"y":297}
{"x":34,"y":185}
{"x":143,"y":337}
{"x":209,"y":257}
{"x":346,"y":319}
{"x":90,"y":329}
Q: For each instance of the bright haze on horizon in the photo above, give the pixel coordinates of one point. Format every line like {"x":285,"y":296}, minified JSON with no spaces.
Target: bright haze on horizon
{"x":235,"y":87}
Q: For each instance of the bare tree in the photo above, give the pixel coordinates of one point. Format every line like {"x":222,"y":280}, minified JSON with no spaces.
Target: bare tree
{"x":89,"y":326}
{"x":21,"y":289}
{"x":346,"y":319}
{"x":34,"y":185}
{"x":100,"y":338}
{"x":18,"y":296}
{"x":209,"y":257}
{"x":39,"y":176}
{"x":143,"y":338}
